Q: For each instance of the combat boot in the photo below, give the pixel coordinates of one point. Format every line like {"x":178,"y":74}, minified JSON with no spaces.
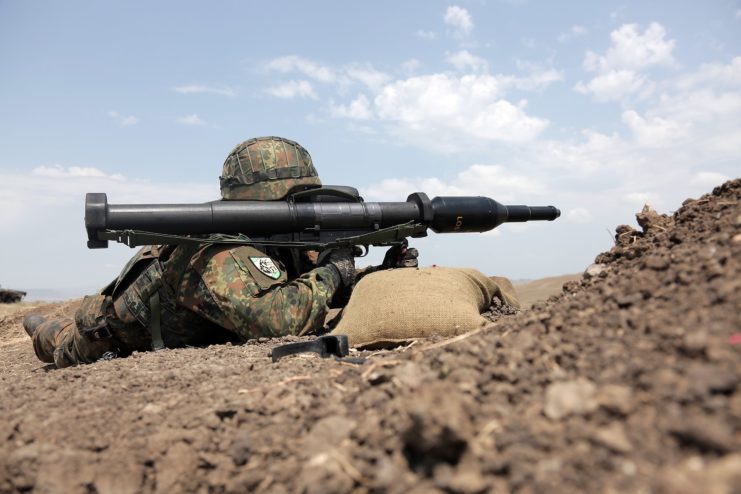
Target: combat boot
{"x":31,"y":322}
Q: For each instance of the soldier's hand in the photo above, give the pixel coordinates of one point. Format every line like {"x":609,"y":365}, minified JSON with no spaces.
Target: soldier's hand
{"x":400,"y":256}
{"x":344,"y":261}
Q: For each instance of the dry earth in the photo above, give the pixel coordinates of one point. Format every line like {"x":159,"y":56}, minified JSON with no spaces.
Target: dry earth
{"x":531,"y":292}
{"x":628,"y":381}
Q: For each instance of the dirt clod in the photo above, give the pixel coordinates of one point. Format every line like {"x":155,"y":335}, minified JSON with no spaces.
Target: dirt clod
{"x":569,"y":398}
{"x":594,"y":270}
{"x":613,"y":437}
{"x":439,"y":429}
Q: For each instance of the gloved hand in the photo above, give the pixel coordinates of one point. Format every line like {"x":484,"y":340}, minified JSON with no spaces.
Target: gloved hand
{"x":400,"y":256}
{"x":344,"y":261}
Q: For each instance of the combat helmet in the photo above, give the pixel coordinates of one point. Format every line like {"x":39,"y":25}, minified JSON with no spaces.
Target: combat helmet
{"x":266,"y":169}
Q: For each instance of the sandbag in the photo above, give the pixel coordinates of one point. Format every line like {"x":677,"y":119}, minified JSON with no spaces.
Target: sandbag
{"x":399,"y":305}
{"x":506,"y":291}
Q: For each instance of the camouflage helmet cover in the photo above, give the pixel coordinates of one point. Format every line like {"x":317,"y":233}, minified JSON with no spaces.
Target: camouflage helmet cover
{"x":265,"y":169}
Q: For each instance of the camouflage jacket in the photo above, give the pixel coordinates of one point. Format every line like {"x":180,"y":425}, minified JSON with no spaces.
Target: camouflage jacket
{"x":216,"y":293}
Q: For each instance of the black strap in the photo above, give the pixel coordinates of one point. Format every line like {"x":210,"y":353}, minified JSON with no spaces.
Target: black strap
{"x":383,"y":236}
{"x":269,"y":174}
{"x":154,"y":322}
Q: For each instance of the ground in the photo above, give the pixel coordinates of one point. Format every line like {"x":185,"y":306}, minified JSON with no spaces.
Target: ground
{"x":628,"y":381}
{"x":538,"y":290}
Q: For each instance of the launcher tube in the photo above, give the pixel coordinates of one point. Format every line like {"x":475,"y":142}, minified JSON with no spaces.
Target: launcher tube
{"x":264,"y":218}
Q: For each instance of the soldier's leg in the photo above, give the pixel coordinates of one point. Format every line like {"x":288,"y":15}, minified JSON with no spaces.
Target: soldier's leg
{"x":94,"y":331}
{"x":59,"y":341}
{"x":44,"y":335}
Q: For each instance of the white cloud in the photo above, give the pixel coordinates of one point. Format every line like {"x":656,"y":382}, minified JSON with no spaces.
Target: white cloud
{"x":193,"y":119}
{"x":358,"y":109}
{"x":123,"y":120}
{"x":704,"y":105}
{"x":434,"y":105}
{"x":717,"y":74}
{"x":464,"y":60}
{"x":442,"y":110}
{"x":129,"y":120}
{"x":421,"y":33}
{"x":696,"y":119}
{"x":487,"y":180}
{"x":367,"y":75}
{"x":459,"y":19}
{"x":709,"y":179}
{"x":203,"y":89}
{"x":293,"y":89}
{"x":392,"y":189}
{"x":411,"y":66}
{"x":632,"y":50}
{"x":619,"y":70}
{"x":342,"y":77}
{"x":617,"y":13}
{"x":363,"y":129}
{"x":574,"y":31}
{"x":309,"y":68}
{"x":577,"y":30}
{"x":504,"y":183}
{"x":579,"y":215}
{"x":537,"y":77}
{"x":595,"y":153}
{"x":639,"y":199}
{"x":58,"y":171}
{"x":612,"y":85}
{"x":654,"y":131}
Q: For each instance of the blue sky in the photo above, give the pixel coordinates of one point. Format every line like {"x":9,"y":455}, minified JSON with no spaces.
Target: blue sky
{"x":595,"y":107}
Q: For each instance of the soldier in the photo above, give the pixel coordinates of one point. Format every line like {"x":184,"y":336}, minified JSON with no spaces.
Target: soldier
{"x":201,"y":294}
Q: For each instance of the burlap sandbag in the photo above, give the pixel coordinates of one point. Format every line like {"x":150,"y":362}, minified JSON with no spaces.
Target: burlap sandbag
{"x":506,"y":291}
{"x":399,"y":305}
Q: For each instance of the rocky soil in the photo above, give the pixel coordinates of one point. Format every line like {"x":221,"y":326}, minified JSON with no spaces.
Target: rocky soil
{"x":626,"y":382}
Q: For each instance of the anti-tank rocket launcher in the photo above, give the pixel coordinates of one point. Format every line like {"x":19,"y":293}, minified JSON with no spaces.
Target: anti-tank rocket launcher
{"x":315,"y":218}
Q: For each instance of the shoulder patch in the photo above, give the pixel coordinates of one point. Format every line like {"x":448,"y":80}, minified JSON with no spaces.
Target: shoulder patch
{"x":266,"y":266}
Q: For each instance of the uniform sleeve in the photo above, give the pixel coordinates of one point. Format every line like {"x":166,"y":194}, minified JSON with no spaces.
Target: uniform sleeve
{"x":238,"y":303}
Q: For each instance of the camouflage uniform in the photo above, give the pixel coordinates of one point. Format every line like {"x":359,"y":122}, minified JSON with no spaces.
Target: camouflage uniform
{"x":198,"y":294}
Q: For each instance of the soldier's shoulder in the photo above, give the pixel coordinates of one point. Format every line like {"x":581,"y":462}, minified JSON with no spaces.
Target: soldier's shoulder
{"x":220,"y":253}
{"x":244,"y":261}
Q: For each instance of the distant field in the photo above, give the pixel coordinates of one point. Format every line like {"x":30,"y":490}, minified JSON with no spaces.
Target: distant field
{"x":7,"y":310}
{"x":537,"y":290}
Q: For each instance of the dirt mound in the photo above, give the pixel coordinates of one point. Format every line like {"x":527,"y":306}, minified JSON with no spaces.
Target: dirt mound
{"x":626,"y":382}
